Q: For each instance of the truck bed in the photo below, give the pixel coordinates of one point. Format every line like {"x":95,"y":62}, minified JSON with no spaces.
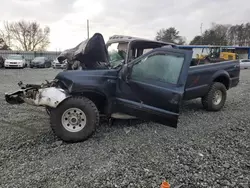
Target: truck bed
{"x":200,"y":77}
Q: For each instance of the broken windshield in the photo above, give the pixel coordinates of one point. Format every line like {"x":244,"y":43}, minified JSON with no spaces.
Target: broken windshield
{"x":117,"y":53}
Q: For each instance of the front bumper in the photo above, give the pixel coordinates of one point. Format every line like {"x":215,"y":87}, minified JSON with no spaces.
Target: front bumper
{"x":17,"y":65}
{"x":245,"y":67}
{"x":59,"y":66}
{"x":46,"y":95}
{"x":38,"y":65}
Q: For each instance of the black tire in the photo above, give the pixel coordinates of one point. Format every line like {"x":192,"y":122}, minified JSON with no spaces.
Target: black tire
{"x":90,"y":111}
{"x":46,"y":65}
{"x":208,"y":102}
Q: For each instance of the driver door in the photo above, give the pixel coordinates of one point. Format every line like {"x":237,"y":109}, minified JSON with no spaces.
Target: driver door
{"x":154,"y":85}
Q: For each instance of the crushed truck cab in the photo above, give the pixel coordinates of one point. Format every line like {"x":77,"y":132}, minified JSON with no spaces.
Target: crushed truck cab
{"x":137,"y":78}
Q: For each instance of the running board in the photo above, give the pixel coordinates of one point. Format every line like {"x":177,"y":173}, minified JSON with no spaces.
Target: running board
{"x":122,"y":116}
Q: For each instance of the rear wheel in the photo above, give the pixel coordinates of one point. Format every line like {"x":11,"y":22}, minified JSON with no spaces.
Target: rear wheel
{"x":75,"y":119}
{"x":215,"y":98}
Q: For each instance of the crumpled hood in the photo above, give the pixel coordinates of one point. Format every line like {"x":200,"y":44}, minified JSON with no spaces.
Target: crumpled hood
{"x":88,"y":51}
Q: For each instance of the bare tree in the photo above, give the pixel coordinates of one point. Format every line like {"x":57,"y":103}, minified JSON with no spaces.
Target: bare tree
{"x":224,"y":34}
{"x":3,"y":45}
{"x":197,"y":40}
{"x":24,"y":35}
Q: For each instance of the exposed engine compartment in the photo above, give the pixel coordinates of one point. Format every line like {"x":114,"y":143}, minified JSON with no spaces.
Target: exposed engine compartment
{"x":46,"y":94}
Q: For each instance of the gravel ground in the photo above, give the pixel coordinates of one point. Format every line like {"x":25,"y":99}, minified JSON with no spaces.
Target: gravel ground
{"x":206,"y":150}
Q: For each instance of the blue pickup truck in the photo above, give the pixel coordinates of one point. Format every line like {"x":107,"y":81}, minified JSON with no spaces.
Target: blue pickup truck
{"x":127,"y":77}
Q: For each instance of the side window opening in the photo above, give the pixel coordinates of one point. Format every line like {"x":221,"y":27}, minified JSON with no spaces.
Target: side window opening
{"x":147,"y":50}
{"x":245,"y":61}
{"x":158,"y":67}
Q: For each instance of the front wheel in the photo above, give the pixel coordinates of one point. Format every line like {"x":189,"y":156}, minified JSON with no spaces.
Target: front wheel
{"x":46,"y":65}
{"x":75,"y":119}
{"x":215,"y":98}
{"x":24,"y":65}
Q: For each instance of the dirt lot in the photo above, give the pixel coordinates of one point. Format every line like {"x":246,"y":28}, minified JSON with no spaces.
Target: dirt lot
{"x":206,"y":150}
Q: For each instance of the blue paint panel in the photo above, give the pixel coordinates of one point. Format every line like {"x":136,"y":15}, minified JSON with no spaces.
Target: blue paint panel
{"x":248,"y":53}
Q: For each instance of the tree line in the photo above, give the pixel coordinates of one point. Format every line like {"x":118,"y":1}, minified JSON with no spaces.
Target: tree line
{"x":217,"y":34}
{"x":30,"y":36}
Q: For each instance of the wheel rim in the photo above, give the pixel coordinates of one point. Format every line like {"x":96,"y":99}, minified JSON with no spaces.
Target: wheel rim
{"x":73,"y":120}
{"x":217,"y":97}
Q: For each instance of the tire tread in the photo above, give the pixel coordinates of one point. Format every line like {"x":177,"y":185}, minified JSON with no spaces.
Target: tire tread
{"x":207,"y":99}
{"x":77,"y":99}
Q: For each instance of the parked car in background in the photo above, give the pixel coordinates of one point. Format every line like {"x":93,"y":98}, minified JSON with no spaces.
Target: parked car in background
{"x":57,"y":65}
{"x":15,"y":61}
{"x":245,"y":63}
{"x":1,"y":62}
{"x":40,"y":62}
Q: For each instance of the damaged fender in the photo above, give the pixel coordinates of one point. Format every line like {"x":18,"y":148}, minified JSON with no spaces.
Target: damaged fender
{"x":37,"y":96}
{"x":50,"y":97}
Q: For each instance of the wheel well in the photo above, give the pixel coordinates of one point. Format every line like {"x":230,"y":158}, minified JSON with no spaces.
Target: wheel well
{"x":100,"y":100}
{"x":224,"y":80}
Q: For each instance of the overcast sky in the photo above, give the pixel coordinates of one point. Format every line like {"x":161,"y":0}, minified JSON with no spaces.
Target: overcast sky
{"x":67,"y":18}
